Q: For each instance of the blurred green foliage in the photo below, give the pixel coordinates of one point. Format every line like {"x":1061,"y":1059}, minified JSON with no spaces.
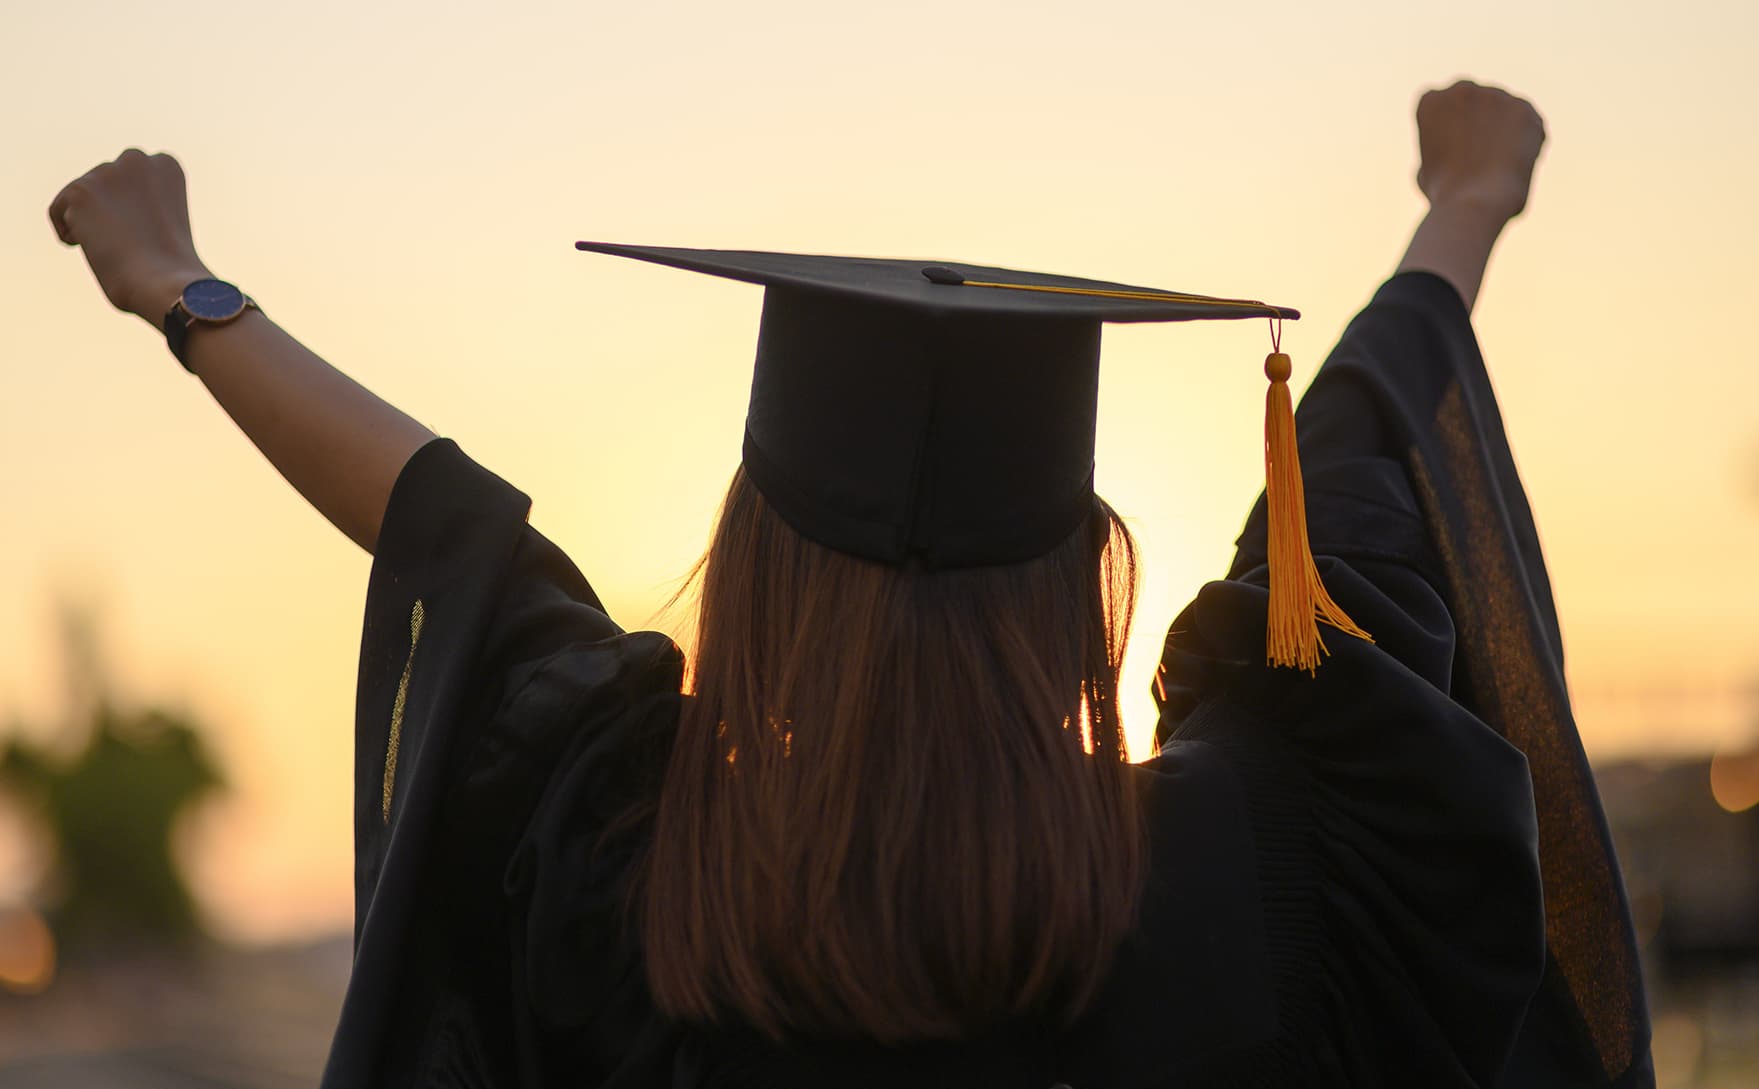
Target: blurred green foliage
{"x":109,"y":810}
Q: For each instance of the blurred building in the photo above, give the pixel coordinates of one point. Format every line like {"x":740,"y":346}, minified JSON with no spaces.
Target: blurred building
{"x":1687,"y":833}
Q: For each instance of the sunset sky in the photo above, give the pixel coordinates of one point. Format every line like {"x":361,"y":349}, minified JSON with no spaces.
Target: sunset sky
{"x":400,"y":185}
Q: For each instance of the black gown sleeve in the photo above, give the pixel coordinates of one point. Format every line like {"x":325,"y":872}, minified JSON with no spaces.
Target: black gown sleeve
{"x":1413,"y":354}
{"x":1401,"y":797}
{"x":490,"y":676}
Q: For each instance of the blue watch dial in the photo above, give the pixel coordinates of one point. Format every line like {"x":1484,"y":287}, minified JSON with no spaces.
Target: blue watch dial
{"x":213,"y":300}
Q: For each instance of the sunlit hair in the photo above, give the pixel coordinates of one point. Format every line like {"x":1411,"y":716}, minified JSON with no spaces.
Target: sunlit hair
{"x":898,"y":806}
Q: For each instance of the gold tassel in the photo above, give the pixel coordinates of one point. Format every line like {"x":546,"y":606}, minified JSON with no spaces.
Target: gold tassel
{"x":1298,"y":600}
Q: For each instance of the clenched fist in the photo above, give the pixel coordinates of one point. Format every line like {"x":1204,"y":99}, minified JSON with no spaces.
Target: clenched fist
{"x":131,"y":219}
{"x":1478,"y":146}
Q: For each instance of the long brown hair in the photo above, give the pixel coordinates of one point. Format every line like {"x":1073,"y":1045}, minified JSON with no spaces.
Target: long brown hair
{"x":898,"y":806}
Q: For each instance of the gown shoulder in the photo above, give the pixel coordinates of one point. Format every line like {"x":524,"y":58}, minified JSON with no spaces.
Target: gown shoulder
{"x":500,"y":710}
{"x":1392,"y":841}
{"x":1393,"y":831}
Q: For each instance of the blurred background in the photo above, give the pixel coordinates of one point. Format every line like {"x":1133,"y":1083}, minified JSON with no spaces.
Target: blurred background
{"x":400,"y":185}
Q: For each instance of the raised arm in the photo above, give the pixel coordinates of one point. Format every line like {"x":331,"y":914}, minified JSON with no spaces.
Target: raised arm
{"x":1477,"y":146}
{"x":1379,"y":394}
{"x":336,"y":442}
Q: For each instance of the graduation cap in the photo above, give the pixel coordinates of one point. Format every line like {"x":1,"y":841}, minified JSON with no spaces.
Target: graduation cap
{"x":939,"y":415}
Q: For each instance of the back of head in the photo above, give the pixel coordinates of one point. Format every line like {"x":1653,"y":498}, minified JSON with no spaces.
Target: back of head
{"x":898,"y":805}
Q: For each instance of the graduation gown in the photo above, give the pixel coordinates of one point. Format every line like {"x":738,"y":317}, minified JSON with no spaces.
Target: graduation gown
{"x":1394,"y":873}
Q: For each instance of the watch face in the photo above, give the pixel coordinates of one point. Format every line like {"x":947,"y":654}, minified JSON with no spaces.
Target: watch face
{"x":213,"y":300}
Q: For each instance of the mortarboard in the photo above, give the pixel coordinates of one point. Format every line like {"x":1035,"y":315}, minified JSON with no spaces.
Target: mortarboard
{"x":940,"y":415}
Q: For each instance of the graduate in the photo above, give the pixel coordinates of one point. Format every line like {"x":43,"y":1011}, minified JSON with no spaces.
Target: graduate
{"x":880,"y":829}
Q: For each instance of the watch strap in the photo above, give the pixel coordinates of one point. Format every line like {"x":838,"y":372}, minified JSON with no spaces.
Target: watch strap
{"x":179,"y":321}
{"x":177,"y":332}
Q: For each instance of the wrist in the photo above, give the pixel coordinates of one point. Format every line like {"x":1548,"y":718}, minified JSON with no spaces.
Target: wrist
{"x":1454,"y":242}
{"x":160,"y":290}
{"x":1481,"y":215}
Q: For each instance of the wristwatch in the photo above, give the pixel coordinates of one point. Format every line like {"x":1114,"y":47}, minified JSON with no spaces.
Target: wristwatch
{"x":204,"y":302}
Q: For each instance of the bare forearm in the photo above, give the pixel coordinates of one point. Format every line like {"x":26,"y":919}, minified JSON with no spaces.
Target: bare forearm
{"x":336,"y":442}
{"x":1454,"y":242}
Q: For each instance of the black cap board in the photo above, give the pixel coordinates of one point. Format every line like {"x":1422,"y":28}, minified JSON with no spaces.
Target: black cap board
{"x":934,"y":414}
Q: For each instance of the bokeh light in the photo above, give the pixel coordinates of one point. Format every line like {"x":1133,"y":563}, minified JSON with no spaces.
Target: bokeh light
{"x":27,"y":951}
{"x":1734,"y":779}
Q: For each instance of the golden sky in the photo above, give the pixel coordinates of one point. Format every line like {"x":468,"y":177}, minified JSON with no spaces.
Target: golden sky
{"x":400,"y":185}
